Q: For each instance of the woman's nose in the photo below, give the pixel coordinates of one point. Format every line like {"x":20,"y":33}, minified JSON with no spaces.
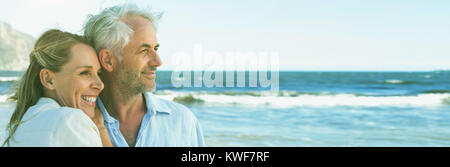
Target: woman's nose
{"x":97,"y":83}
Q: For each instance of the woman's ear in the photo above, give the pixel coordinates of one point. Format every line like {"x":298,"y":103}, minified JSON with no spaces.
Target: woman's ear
{"x":47,"y":78}
{"x":106,"y":58}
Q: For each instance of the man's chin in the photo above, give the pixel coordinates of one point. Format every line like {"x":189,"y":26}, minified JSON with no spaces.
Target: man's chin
{"x":149,"y":85}
{"x":150,"y":89}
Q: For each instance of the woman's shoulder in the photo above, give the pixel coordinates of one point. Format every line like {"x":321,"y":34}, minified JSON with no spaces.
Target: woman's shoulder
{"x":48,"y":113}
{"x":62,"y":115}
{"x":47,"y":118}
{"x":56,"y":126}
{"x":48,"y":107}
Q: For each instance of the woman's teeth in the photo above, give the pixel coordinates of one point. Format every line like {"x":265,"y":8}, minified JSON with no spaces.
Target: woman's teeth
{"x":89,"y":99}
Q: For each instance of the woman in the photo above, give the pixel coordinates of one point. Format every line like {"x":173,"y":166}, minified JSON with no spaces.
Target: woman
{"x":56,"y":96}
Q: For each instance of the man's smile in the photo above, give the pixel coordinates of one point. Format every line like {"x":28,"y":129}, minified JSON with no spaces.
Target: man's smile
{"x":149,"y":74}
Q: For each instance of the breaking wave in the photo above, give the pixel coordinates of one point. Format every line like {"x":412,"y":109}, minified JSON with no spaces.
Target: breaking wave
{"x":9,"y":79}
{"x":297,"y":99}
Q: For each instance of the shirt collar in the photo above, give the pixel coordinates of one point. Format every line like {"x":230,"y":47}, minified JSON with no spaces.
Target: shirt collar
{"x":154,"y":105}
{"x":43,"y":103}
{"x":108,"y":118}
{"x":48,"y":101}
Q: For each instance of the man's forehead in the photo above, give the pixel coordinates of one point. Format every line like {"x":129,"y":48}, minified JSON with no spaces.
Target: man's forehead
{"x":136,"y":22}
{"x":144,"y":36}
{"x":143,"y":31}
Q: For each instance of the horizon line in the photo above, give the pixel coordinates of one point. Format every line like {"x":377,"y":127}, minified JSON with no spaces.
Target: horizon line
{"x":300,"y":70}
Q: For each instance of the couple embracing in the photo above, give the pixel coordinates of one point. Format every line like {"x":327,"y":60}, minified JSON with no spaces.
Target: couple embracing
{"x":94,"y":90}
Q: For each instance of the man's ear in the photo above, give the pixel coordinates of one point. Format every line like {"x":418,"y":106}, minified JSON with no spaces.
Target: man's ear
{"x":47,"y":78}
{"x":106,"y":58}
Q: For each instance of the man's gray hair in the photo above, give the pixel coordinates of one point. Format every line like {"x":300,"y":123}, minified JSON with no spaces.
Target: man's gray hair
{"x":108,"y":31}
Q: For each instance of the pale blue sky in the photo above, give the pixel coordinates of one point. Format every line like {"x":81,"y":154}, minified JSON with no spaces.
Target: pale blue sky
{"x":308,"y":35}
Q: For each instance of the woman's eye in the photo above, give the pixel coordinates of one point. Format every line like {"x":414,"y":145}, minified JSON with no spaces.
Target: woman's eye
{"x":156,"y":48}
{"x":84,"y":73}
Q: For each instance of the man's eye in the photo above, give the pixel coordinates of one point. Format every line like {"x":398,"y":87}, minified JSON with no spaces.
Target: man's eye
{"x":156,"y":48}
{"x":84,"y":73}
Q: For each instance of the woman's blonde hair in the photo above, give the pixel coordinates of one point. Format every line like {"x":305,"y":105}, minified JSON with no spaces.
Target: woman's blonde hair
{"x":51,"y":51}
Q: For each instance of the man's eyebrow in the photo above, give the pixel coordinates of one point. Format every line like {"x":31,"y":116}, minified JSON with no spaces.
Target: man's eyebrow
{"x":148,"y":45}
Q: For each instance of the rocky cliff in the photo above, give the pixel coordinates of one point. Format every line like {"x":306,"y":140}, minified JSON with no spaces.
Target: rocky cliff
{"x":15,"y":48}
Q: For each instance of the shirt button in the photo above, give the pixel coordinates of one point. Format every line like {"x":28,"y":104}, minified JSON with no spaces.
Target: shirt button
{"x":115,"y":132}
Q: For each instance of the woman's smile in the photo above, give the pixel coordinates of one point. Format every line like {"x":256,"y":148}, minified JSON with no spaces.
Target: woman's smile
{"x":78,"y":81}
{"x":89,"y":99}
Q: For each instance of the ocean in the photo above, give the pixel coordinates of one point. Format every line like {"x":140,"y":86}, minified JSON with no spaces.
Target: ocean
{"x":311,"y":108}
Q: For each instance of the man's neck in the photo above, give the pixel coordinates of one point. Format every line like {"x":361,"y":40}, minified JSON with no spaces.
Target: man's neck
{"x":121,"y":105}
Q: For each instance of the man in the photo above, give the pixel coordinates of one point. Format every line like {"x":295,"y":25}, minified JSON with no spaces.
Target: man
{"x":125,"y":40}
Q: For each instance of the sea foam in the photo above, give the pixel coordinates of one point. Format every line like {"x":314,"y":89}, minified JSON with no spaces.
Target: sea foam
{"x":9,"y":79}
{"x":309,"y":100}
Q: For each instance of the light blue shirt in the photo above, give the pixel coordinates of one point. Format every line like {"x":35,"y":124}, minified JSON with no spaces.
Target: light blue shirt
{"x":165,"y":124}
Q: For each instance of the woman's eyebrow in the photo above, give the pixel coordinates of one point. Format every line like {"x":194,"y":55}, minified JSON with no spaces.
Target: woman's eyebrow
{"x":86,"y":66}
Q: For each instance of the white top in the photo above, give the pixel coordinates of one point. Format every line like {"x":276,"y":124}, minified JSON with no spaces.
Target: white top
{"x":47,"y":124}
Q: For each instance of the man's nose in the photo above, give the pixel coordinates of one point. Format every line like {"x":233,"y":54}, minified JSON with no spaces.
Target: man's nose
{"x":156,"y":61}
